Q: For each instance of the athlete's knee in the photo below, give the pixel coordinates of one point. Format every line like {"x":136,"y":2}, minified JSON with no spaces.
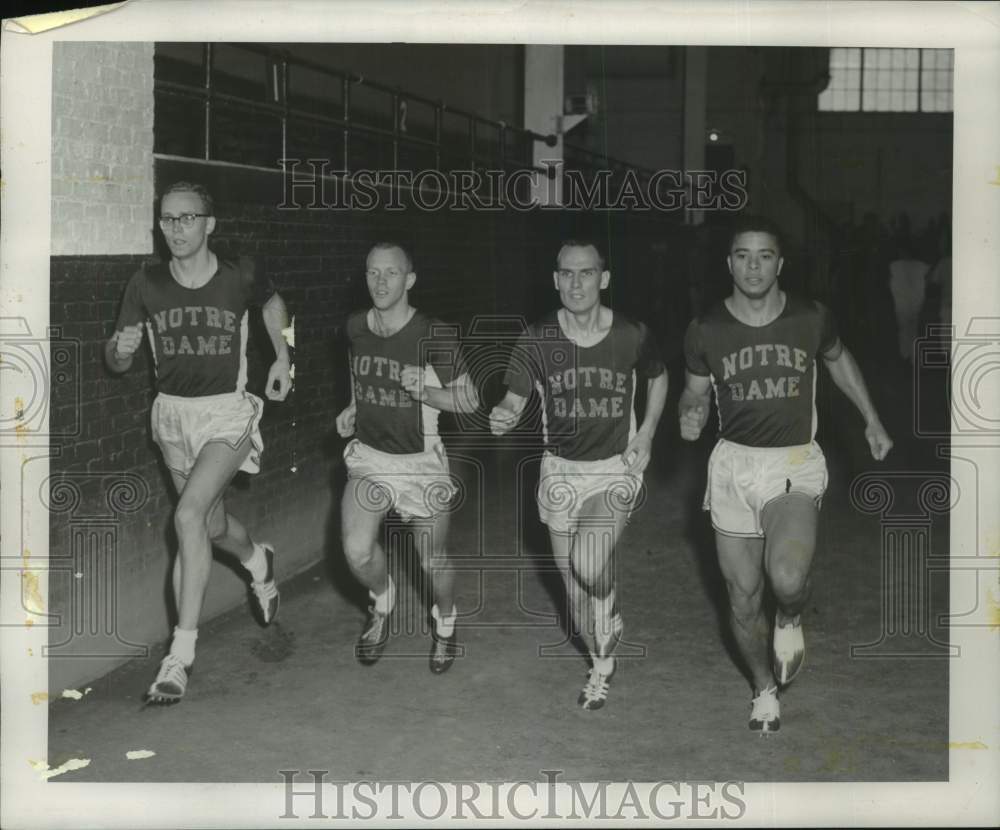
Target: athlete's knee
{"x":789,"y":569}
{"x":190,"y":518}
{"x":359,"y":548}
{"x":789,"y":583}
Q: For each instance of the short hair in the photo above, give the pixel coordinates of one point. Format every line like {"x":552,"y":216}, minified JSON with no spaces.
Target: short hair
{"x":581,"y":243}
{"x":388,"y":245}
{"x":750,"y":223}
{"x":207,"y":202}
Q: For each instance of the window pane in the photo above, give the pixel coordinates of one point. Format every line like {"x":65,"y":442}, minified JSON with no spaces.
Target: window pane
{"x":910,"y":101}
{"x":868,"y":99}
{"x":912,"y":58}
{"x":882,"y":100}
{"x":853,"y":57}
{"x":853,"y":100}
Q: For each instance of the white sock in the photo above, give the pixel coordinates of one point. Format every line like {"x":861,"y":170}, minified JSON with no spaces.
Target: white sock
{"x":182,"y":644}
{"x":257,"y":563}
{"x":386,"y":601}
{"x":444,"y":626}
{"x":605,"y":665}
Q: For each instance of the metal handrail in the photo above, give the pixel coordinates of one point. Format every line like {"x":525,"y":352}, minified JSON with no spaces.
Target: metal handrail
{"x":211,"y":98}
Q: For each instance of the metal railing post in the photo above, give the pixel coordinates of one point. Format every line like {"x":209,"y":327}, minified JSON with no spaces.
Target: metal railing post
{"x":347,"y":122}
{"x":208,"y":100}
{"x":438,"y":107}
{"x":284,"y":107}
{"x":395,"y":130}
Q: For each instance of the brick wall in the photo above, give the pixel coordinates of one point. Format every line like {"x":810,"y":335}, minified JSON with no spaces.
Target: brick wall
{"x":102,"y":148}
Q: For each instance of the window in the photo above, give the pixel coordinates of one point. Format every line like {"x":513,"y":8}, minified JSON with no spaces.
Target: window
{"x":889,"y":80}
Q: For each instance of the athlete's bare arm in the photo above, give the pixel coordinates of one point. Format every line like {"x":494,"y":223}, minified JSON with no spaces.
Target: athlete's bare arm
{"x":640,"y":448}
{"x":457,"y":396}
{"x":121,"y":347}
{"x":275,"y":321}
{"x":505,"y":415}
{"x":847,"y":375}
{"x":694,"y":405}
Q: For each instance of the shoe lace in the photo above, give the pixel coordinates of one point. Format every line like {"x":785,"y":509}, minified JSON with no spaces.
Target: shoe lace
{"x":264,"y":591}
{"x":764,"y":705}
{"x":375,"y":624}
{"x":172,"y":670}
{"x":441,"y":648}
{"x":597,"y":686}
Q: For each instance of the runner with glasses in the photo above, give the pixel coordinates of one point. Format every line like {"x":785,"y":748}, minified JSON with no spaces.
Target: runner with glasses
{"x":193,"y":309}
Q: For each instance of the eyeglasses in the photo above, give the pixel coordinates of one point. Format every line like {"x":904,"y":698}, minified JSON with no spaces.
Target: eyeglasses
{"x":186,"y":220}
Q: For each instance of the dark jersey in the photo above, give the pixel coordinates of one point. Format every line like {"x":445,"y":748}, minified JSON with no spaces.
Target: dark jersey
{"x":388,"y":419}
{"x":198,"y":335}
{"x":764,"y":376}
{"x":587,"y":392}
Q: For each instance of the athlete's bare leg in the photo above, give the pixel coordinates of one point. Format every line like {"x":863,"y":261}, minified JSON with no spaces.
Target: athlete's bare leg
{"x":361,"y":523}
{"x":201,"y":499}
{"x":585,"y":559}
{"x":431,"y":537}
{"x":790,"y":524}
{"x":576,"y":596}
{"x":741,"y":561}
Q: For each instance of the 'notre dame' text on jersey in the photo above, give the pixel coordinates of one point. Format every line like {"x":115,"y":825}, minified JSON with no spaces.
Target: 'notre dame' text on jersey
{"x":764,"y":376}
{"x":388,"y":418}
{"x":587,"y":392}
{"x":198,"y":335}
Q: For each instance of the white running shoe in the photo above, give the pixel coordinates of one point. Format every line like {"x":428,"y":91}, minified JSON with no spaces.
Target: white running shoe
{"x":595,"y":690}
{"x":765,"y":716}
{"x":170,"y":683}
{"x":266,"y":592}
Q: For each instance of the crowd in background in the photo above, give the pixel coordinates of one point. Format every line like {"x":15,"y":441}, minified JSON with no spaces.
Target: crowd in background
{"x":890,"y":282}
